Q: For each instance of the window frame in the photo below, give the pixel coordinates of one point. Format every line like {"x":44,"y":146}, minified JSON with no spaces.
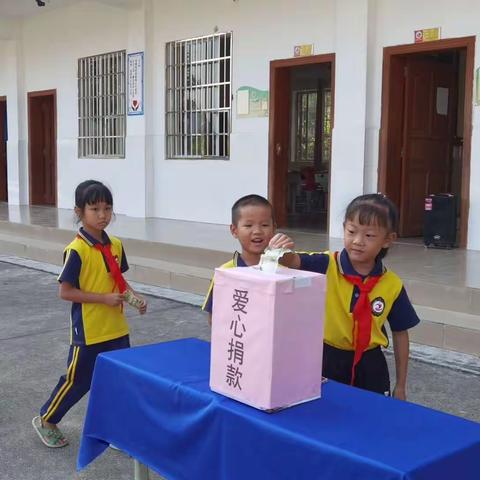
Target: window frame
{"x":101,"y":103}
{"x":198,"y":97}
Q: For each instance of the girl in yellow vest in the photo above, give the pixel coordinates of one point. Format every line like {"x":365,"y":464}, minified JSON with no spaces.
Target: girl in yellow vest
{"x":361,"y":295}
{"x":92,"y":280}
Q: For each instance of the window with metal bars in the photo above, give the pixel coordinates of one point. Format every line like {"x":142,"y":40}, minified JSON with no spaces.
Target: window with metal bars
{"x":306,"y":126}
{"x":101,"y":106}
{"x":327,"y":125}
{"x":198,"y":97}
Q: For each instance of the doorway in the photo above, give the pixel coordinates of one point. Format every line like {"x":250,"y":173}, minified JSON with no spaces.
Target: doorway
{"x":42,"y":147}
{"x":301,"y":123}
{"x":3,"y":150}
{"x":426,"y":128}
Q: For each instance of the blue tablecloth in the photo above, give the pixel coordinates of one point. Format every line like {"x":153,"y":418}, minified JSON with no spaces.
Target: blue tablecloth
{"x":154,"y":402}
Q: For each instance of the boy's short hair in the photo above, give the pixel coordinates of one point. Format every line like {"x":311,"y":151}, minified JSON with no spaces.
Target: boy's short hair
{"x":250,"y":200}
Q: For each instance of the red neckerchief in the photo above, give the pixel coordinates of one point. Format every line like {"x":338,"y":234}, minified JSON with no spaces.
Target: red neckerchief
{"x":115,"y":271}
{"x":362,"y":317}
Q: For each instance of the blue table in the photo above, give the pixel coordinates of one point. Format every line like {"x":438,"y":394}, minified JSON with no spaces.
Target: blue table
{"x":154,"y":402}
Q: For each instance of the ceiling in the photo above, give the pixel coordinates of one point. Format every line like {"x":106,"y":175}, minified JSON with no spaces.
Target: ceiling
{"x":27,"y":8}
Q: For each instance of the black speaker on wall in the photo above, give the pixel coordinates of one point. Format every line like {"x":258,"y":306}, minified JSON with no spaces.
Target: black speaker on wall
{"x":440,"y":221}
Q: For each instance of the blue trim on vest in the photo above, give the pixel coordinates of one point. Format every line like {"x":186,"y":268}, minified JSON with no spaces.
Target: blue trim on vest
{"x":238,"y":260}
{"x":91,"y":240}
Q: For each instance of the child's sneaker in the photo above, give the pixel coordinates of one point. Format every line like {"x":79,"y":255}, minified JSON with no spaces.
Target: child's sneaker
{"x":51,"y":437}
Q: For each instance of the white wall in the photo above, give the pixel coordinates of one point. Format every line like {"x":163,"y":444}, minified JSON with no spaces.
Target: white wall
{"x":50,"y":62}
{"x":372,"y":125}
{"x":204,"y":190}
{"x":37,"y":55}
{"x":10,"y":83}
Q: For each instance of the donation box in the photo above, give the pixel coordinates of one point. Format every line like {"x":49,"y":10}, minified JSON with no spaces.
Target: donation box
{"x":267,"y":336}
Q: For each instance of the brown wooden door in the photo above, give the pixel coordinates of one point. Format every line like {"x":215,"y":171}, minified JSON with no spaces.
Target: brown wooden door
{"x":430,"y":102}
{"x":42,"y":144}
{"x":3,"y":152}
{"x":280,"y":142}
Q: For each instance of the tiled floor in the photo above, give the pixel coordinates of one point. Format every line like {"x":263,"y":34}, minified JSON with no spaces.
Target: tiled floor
{"x":410,"y":260}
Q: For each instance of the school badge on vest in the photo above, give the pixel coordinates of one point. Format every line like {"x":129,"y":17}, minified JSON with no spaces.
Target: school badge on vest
{"x":378,"y":306}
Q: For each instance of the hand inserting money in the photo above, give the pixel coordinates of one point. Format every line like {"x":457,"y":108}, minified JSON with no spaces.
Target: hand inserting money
{"x":269,"y":260}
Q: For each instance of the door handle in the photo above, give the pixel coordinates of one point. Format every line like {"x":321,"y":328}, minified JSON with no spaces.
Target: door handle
{"x":278,"y":149}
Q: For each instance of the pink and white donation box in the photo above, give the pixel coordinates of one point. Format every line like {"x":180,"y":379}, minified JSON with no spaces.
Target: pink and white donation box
{"x":267,"y":336}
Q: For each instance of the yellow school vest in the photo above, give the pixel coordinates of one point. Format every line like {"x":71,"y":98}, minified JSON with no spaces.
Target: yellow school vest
{"x":100,"y":322}
{"x":338,"y":315}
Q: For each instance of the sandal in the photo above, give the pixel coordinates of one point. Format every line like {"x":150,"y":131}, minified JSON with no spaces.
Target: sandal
{"x":51,"y":437}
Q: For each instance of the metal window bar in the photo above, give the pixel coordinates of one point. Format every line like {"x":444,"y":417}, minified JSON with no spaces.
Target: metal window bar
{"x":305,"y":125}
{"x":101,"y":105}
{"x":327,"y":125}
{"x":198,"y":97}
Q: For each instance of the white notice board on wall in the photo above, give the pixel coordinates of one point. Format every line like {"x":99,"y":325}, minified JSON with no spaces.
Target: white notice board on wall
{"x":135,"y":83}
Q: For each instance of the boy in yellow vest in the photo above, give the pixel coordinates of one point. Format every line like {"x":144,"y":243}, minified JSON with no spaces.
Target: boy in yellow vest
{"x":253,"y":225}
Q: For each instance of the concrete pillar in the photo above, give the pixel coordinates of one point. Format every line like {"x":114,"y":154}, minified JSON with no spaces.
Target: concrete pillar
{"x":348,"y":137}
